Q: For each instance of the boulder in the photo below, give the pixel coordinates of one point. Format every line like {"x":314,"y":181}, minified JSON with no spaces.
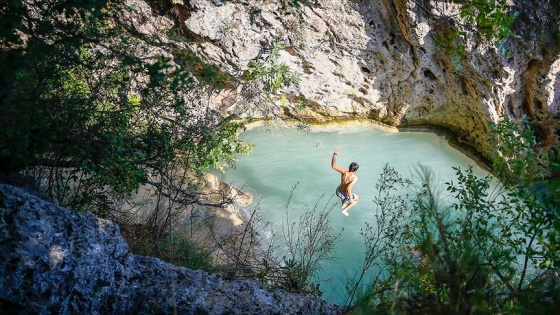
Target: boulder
{"x":55,"y":260}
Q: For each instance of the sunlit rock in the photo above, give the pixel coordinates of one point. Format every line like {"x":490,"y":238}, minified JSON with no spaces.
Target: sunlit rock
{"x":380,"y":60}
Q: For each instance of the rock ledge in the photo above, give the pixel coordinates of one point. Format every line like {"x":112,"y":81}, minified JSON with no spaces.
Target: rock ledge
{"x":54,"y":260}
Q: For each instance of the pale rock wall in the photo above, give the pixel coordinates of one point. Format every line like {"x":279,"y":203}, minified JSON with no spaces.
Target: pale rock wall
{"x":553,"y":78}
{"x":378,"y":59}
{"x":534,"y":49}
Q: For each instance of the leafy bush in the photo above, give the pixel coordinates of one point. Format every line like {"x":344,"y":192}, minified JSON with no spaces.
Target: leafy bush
{"x":309,"y":241}
{"x":271,"y":72}
{"x":480,"y":247}
{"x":518,"y":160}
{"x":176,"y":248}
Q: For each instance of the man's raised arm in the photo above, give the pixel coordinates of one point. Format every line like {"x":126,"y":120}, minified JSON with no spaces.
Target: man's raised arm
{"x":333,"y":163}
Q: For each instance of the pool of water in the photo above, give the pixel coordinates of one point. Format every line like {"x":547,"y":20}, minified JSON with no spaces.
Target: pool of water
{"x":288,"y":158}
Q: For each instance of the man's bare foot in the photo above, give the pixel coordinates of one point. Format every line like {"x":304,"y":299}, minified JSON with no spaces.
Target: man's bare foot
{"x":345,"y":212}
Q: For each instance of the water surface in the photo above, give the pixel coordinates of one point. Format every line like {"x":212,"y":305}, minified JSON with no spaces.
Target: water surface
{"x":288,"y":158}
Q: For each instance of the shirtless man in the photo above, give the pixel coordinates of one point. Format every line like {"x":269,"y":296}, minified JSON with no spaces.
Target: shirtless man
{"x":347,"y":181}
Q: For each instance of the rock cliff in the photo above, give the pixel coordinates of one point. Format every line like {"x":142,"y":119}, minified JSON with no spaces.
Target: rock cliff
{"x":54,"y":260}
{"x":379,"y":60}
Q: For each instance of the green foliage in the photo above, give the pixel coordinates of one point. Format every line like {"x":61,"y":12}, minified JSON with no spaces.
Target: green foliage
{"x":89,"y":115}
{"x":478,"y":247}
{"x":452,"y":47}
{"x":489,"y":17}
{"x":470,"y":255}
{"x":175,"y":248}
{"x":382,"y":239}
{"x":522,"y":166}
{"x":216,"y":146}
{"x":309,"y":241}
{"x":207,"y":74}
{"x":264,"y":76}
{"x":489,"y":20}
{"x":161,"y":7}
{"x":295,"y":277}
{"x":517,"y":158}
{"x":272,"y":73}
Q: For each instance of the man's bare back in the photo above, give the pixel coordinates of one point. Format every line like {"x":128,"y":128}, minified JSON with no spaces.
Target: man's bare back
{"x":347,"y":180}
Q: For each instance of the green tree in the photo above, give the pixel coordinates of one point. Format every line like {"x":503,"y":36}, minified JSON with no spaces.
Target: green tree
{"x":90,"y":113}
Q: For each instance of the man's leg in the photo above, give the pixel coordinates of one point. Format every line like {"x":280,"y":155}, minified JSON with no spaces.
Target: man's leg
{"x":350,"y":204}
{"x":345,"y":205}
{"x":343,"y":198}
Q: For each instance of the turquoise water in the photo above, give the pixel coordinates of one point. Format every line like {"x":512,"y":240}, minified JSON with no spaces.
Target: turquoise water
{"x":289,"y":157}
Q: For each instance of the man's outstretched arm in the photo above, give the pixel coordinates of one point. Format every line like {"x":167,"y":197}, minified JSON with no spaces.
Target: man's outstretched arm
{"x":333,"y":163}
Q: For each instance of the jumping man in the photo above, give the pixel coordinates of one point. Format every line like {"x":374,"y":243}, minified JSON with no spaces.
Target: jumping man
{"x":347,"y":181}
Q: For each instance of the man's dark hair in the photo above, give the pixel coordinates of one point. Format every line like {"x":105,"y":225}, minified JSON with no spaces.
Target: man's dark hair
{"x":353,"y":167}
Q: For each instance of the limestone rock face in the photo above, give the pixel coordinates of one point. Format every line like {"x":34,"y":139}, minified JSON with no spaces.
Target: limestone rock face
{"x":534,"y":65}
{"x":379,"y":59}
{"x":53,"y":260}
